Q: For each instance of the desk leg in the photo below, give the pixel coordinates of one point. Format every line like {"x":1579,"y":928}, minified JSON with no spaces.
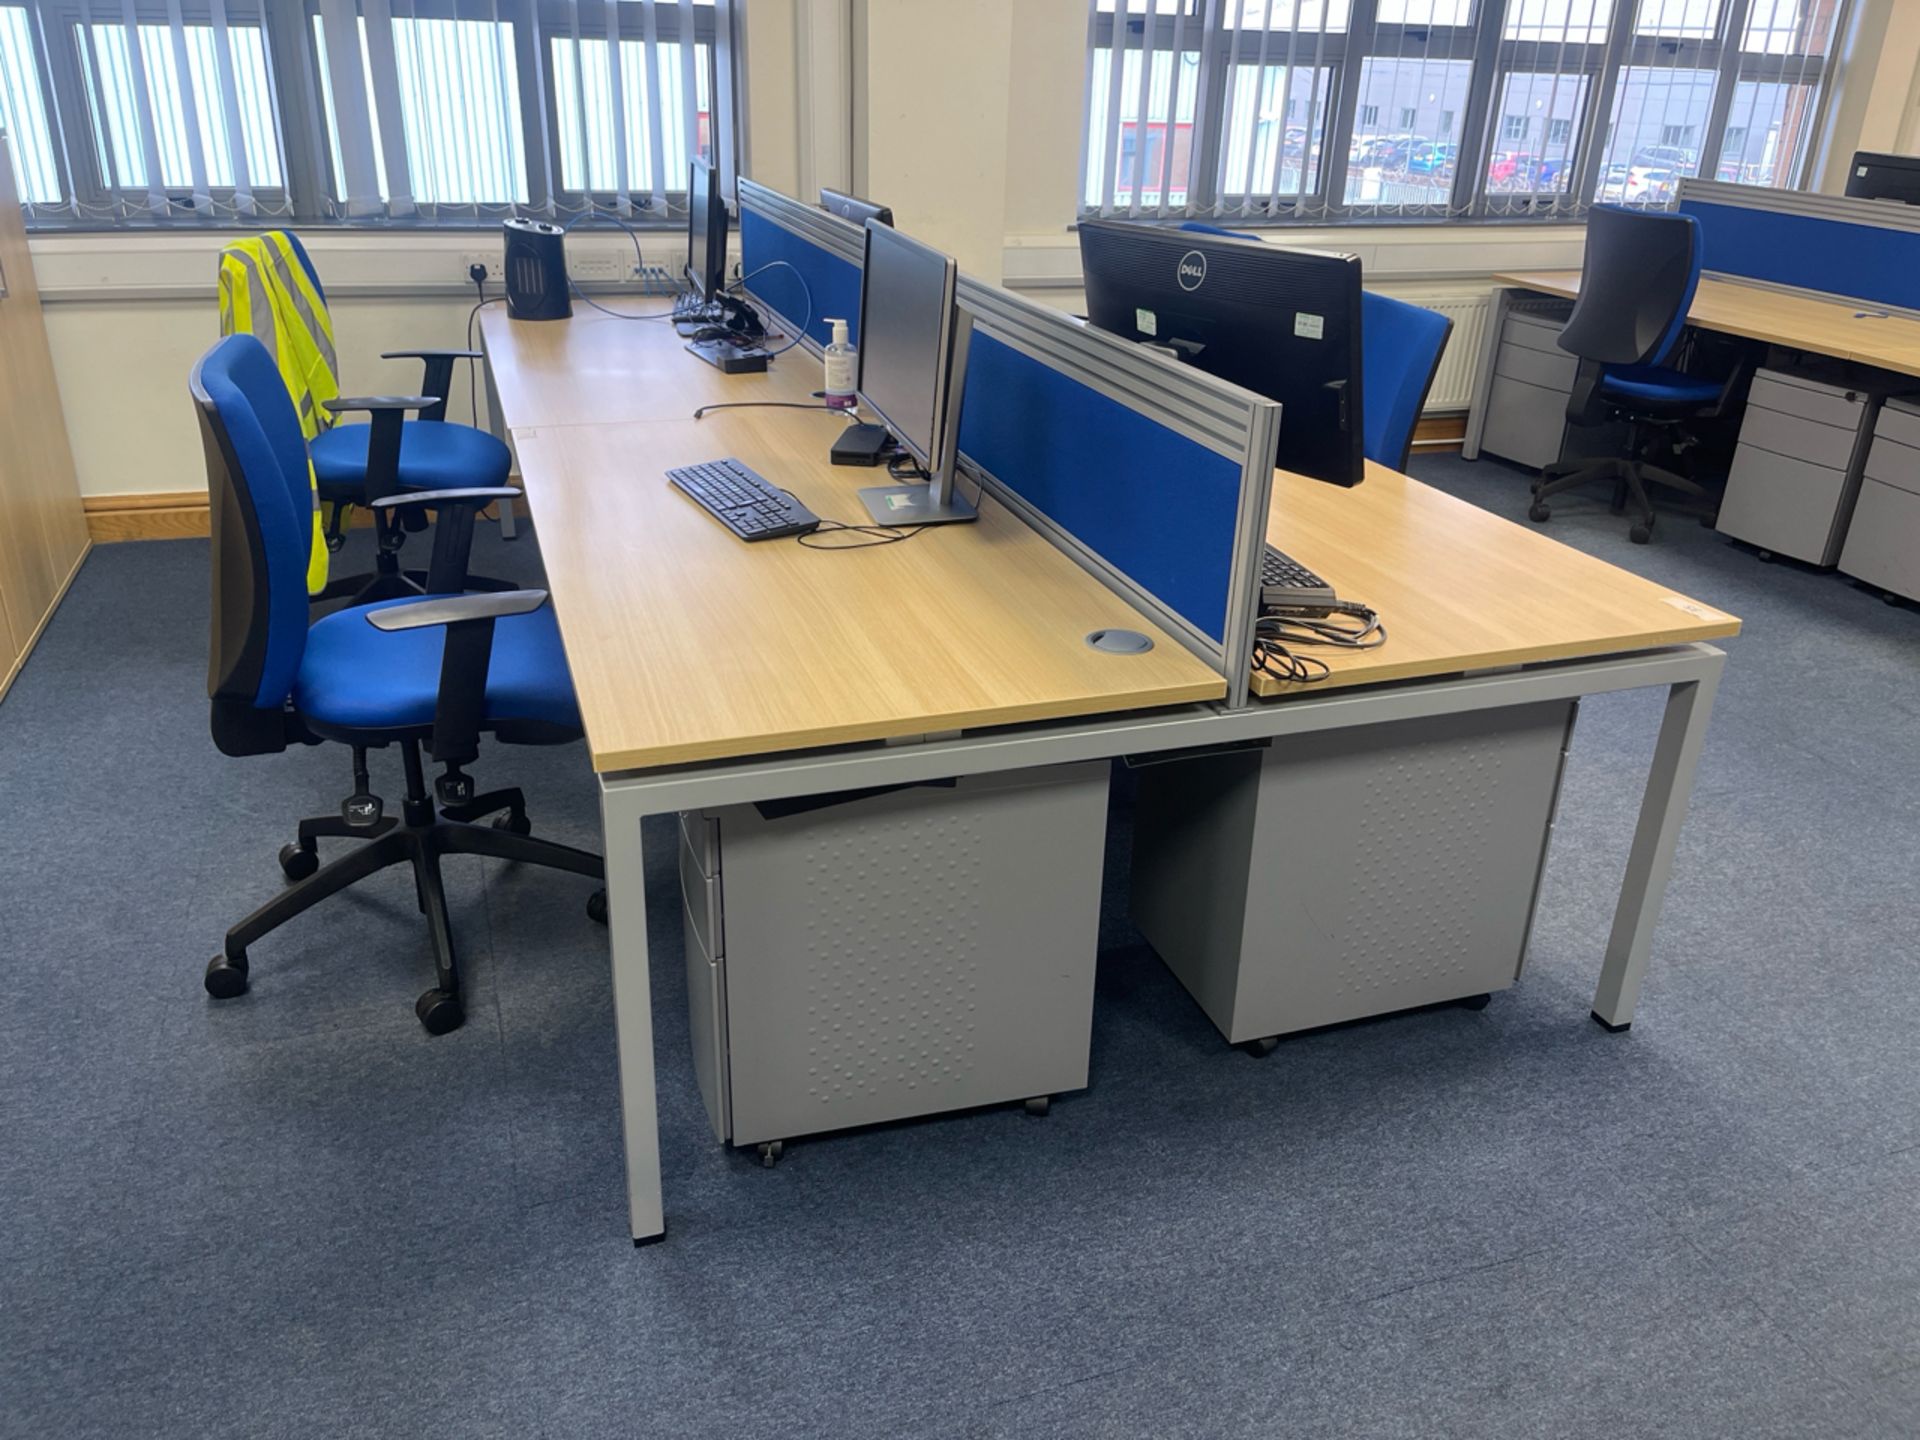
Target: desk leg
{"x":633,"y":1013}
{"x":1650,"y":865}
{"x":1483,"y":378}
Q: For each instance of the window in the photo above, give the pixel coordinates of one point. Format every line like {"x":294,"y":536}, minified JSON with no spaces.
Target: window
{"x":1443,"y":107}
{"x":313,"y":109}
{"x":23,"y":111}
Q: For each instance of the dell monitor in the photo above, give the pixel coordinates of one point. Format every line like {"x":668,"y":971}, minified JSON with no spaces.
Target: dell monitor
{"x":1884,"y":177}
{"x":912,"y":366}
{"x":1283,"y":323}
{"x":852,"y":207}
{"x":706,"y":233}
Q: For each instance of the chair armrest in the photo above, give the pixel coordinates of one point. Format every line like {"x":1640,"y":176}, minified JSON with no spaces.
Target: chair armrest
{"x":477,"y":495}
{"x":455,"y":609}
{"x":378,"y":404}
{"x":461,"y":704}
{"x":437,"y":378}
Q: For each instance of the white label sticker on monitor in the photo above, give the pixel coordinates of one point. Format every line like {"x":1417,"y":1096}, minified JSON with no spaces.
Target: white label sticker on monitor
{"x":900,"y":502}
{"x":1309,"y":327}
{"x":1146,"y":322}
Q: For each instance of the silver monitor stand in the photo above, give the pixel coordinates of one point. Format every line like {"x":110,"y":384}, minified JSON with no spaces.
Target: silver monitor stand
{"x":938,"y":501}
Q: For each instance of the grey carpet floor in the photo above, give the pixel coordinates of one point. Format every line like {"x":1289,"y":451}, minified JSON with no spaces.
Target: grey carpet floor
{"x":298,"y":1215}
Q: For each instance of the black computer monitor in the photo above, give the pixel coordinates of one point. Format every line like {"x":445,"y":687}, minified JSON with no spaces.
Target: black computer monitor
{"x":1281,"y":322}
{"x":913,"y":347}
{"x":706,"y":232}
{"x":852,"y":207}
{"x":1884,"y":177}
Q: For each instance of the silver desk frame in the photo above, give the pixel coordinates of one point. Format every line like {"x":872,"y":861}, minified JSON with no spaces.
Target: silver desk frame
{"x":1690,"y":674}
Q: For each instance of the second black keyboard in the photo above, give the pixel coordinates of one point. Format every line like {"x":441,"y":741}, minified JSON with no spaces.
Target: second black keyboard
{"x":743,"y":502}
{"x":1285,"y":581}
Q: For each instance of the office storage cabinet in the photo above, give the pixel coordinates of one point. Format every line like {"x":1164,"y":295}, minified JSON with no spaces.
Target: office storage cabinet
{"x":1883,"y":543}
{"x":43,"y":532}
{"x":1349,"y":873}
{"x":1532,"y":381}
{"x":1796,"y":474}
{"x":881,"y":957}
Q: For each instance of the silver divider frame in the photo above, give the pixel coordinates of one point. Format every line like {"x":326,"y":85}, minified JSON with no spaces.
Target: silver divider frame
{"x":1226,"y":419}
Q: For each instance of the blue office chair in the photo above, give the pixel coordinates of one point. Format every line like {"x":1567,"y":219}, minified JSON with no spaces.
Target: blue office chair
{"x":1636,"y":287}
{"x":356,"y":462}
{"x":1400,"y":350}
{"x":431,"y":673}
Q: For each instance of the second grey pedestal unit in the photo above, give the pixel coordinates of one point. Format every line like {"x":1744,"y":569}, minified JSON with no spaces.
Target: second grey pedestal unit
{"x":1352,"y":872}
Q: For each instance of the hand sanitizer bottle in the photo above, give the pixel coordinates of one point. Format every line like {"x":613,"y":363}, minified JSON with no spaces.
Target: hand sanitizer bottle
{"x":838,"y":391}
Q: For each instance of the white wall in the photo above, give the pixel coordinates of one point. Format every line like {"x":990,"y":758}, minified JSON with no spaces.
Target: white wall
{"x":963,"y":115}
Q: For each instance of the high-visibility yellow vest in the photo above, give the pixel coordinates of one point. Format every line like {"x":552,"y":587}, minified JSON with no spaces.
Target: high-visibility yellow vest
{"x":266,"y":292}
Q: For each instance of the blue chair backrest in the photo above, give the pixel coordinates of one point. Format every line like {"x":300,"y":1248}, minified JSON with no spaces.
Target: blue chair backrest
{"x":1636,"y":286}
{"x":306,"y":264}
{"x":1400,"y":350}
{"x":262,"y":519}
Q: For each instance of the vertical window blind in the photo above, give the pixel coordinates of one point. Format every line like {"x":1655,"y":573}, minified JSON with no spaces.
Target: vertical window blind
{"x":404,"y":109}
{"x":1272,"y":110}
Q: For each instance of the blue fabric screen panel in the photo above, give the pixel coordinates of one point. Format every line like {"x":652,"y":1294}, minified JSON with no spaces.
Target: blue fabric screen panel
{"x":1159,"y":508}
{"x":1862,"y":262}
{"x":833,"y":282}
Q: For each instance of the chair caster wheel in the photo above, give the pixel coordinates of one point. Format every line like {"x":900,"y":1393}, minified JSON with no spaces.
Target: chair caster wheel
{"x":226,"y":977}
{"x":1538,"y":511}
{"x":771,"y":1151}
{"x":1265,"y":1045}
{"x":513,"y":824}
{"x":1640,"y":534}
{"x":597,"y":907}
{"x":440,"y":1012}
{"x":1039,"y":1104}
{"x":1475,"y":1002}
{"x":297,"y":861}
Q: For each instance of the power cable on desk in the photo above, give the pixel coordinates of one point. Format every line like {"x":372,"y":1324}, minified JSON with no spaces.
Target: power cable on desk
{"x":767,"y":405}
{"x":882,"y":534}
{"x":800,"y":332}
{"x":473,"y":388}
{"x":1278,"y":634}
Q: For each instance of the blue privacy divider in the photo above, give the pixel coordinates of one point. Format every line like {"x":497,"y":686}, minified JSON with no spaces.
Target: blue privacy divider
{"x":830,"y":280}
{"x":1810,"y":252}
{"x":1157,"y":506}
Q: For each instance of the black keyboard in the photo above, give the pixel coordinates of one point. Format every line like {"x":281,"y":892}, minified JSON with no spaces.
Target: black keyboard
{"x":743,"y":502}
{"x":1285,"y":581}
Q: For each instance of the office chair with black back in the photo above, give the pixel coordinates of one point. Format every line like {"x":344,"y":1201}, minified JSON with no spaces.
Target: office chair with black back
{"x":429,"y":673}
{"x":433,"y":453}
{"x":1400,"y":350}
{"x":1636,"y":287}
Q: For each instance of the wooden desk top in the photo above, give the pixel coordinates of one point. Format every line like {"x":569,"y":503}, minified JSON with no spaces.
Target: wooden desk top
{"x":1462,"y":589}
{"x":687,"y":644}
{"x":594,"y":369}
{"x":1800,"y":322}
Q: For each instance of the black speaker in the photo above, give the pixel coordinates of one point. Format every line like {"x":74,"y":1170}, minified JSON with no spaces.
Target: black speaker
{"x":536,"y":266}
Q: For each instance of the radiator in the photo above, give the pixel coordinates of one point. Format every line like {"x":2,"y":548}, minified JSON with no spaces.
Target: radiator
{"x":1453,"y":386}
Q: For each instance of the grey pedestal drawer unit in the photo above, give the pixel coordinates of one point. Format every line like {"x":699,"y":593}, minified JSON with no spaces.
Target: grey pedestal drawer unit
{"x":1883,"y":543}
{"x":1796,"y":473}
{"x":1349,"y":873}
{"x":893,"y":955}
{"x":1532,"y":379}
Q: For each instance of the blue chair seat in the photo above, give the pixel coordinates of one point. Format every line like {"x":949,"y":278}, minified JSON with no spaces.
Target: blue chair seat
{"x":353,"y":676}
{"x":1657,"y":385}
{"x":434,"y":455}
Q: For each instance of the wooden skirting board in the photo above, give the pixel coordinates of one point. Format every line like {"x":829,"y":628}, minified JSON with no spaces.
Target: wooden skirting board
{"x":1440,"y":432}
{"x":163,"y":515}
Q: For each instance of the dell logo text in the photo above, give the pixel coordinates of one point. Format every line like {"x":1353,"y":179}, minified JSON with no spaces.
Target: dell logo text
{"x":1192,"y":272}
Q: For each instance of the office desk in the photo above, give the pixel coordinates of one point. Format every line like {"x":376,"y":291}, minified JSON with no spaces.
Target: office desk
{"x":1845,"y":329}
{"x":682,"y":640}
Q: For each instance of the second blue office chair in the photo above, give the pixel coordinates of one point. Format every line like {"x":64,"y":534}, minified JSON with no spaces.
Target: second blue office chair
{"x":429,"y":674}
{"x":433,"y":453}
{"x":1400,"y":350}
{"x":1641,"y":270}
